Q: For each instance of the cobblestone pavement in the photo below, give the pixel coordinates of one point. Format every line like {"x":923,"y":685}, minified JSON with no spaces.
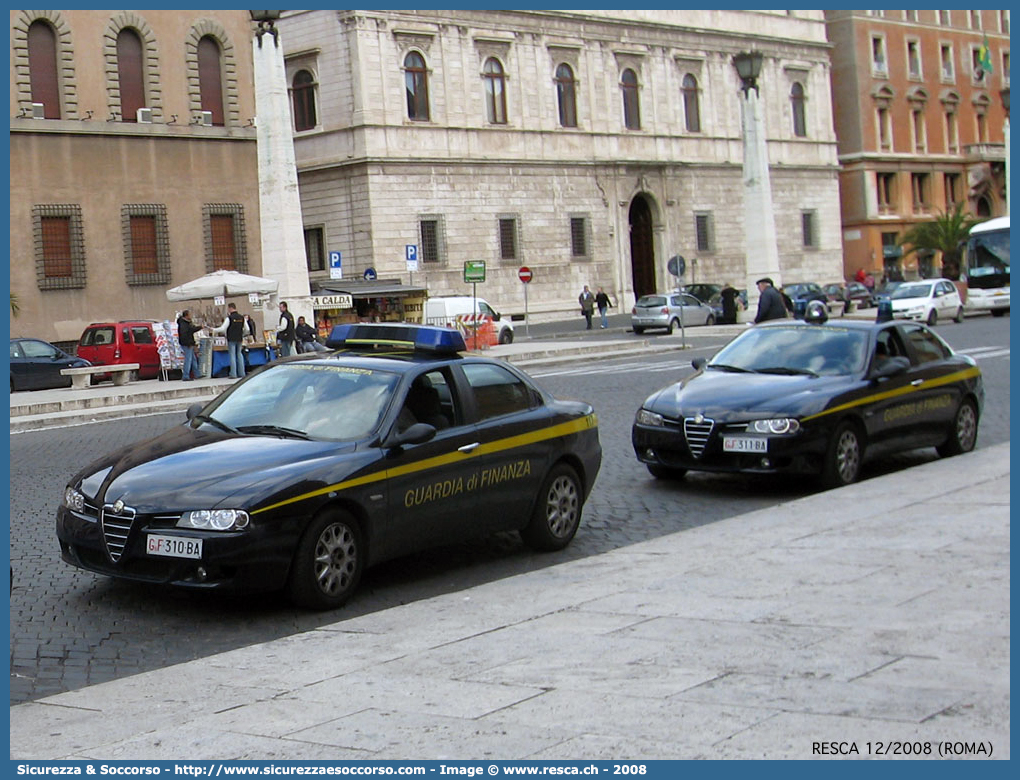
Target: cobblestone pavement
{"x":71,"y":628}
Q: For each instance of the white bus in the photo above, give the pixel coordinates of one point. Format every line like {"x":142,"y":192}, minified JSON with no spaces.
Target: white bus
{"x":986,"y":262}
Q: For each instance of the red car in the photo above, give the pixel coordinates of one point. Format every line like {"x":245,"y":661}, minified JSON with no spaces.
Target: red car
{"x":117,"y":343}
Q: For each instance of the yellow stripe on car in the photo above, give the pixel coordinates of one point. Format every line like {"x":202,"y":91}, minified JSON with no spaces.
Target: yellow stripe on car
{"x":500,"y":445}
{"x":927,"y":384}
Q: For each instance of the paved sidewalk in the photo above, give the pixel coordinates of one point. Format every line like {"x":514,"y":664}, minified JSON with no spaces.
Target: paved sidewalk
{"x":876,"y":613}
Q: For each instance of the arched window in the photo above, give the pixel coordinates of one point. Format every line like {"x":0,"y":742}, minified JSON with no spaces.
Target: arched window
{"x":495,"y":91}
{"x":130,"y":74}
{"x":797,"y":106}
{"x":303,"y":98}
{"x":416,"y":86}
{"x":210,"y":78}
{"x":42,"y":68}
{"x":566,"y":97}
{"x":692,"y":111}
{"x":631,"y":106}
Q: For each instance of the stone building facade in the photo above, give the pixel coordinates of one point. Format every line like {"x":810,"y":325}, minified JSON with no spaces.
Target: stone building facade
{"x":132,"y":162}
{"x":589,"y":146}
{"x":920,"y":125}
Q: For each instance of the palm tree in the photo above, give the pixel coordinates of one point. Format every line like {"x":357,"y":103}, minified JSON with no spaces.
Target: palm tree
{"x":946,"y":234}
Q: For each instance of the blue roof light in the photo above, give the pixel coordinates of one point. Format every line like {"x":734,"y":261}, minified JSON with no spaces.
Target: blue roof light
{"x":420,"y":338}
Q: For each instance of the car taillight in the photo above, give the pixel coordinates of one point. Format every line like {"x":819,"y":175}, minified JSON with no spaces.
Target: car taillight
{"x":663,"y":310}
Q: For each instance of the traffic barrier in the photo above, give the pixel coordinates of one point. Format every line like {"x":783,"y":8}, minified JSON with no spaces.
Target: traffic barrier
{"x":479,"y":330}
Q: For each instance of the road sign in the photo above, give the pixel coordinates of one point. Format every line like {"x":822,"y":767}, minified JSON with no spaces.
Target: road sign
{"x":335,"y":266}
{"x":411,"y":255}
{"x":369,"y":274}
{"x":676,"y":265}
{"x":524,"y":274}
{"x":474,"y":271}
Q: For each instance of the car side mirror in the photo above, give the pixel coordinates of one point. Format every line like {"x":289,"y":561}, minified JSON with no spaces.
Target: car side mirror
{"x":890,"y":367}
{"x":699,"y":363}
{"x":193,"y":410}
{"x":496,"y":316}
{"x":419,"y":433}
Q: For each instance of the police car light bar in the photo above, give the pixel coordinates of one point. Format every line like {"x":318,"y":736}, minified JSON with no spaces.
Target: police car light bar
{"x":420,"y":338}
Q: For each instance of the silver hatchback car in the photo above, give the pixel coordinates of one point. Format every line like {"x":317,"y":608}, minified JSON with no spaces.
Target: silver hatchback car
{"x":666,"y":311}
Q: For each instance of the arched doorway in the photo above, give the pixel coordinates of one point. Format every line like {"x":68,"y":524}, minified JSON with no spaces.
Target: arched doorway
{"x":642,"y":249}
{"x":983,"y":207}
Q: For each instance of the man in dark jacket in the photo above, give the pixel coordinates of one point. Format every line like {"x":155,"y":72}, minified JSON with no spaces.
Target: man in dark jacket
{"x":770,"y":304}
{"x":186,"y":331}
{"x":285,"y":332}
{"x":305,"y":333}
{"x":234,"y":328}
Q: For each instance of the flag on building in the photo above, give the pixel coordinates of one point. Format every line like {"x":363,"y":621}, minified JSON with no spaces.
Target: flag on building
{"x":985,"y":58}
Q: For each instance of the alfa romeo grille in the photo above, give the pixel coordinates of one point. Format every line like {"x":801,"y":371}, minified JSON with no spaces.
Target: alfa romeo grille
{"x":116,"y":527}
{"x":697,"y":434}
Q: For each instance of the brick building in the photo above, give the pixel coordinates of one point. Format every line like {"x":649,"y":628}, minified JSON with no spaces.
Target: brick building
{"x":133,"y":162}
{"x":920,"y":125}
{"x":588,"y":145}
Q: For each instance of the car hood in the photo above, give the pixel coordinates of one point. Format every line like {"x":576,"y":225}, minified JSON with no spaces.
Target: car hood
{"x":722,"y":395}
{"x":205,"y":469}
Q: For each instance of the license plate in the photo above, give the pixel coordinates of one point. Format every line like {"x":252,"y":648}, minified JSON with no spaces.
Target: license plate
{"x":744,"y":444}
{"x":173,"y":546}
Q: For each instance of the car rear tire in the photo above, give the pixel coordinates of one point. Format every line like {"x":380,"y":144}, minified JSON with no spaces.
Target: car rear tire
{"x":963,"y":433}
{"x":1000,"y":312}
{"x":328,"y":562}
{"x":933,"y":317}
{"x":843,"y":457}
{"x":506,"y":336}
{"x":638,"y":331}
{"x":557,"y":511}
{"x":673,"y":325}
{"x":959,"y":315}
{"x":665,"y":472}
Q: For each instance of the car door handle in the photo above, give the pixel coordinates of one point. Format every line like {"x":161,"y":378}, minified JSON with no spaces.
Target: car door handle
{"x":468,"y":448}
{"x":917,"y":382}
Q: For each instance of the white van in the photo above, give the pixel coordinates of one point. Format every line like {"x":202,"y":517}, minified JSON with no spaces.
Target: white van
{"x":444,"y":311}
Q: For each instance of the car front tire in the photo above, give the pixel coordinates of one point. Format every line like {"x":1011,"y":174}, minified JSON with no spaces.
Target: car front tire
{"x":963,"y":433}
{"x":328,"y":562}
{"x":933,"y":317}
{"x":843,"y":457}
{"x":710,"y":320}
{"x":557,"y":512}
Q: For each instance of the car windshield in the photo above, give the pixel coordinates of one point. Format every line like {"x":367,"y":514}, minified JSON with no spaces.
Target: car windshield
{"x":911,"y":291}
{"x":646,"y":301}
{"x":313,"y":400}
{"x":795,"y":349}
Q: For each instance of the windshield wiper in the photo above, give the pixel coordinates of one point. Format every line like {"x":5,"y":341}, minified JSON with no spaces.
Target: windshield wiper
{"x":221,"y":425}
{"x":279,"y":430}
{"x":734,"y":369}
{"x":787,"y":370}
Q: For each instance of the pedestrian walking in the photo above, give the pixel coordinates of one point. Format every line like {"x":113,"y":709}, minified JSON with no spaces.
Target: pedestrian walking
{"x":602,"y":303}
{"x":587,"y":301}
{"x":730,"y":297}
{"x":186,"y":331}
{"x":234,"y":328}
{"x":285,"y":331}
{"x":770,"y":304}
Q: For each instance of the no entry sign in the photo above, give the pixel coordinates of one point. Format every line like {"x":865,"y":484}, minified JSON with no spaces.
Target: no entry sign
{"x":524,"y":274}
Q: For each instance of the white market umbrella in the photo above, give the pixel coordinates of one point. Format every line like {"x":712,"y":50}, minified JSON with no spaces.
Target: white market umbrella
{"x":225,"y":283}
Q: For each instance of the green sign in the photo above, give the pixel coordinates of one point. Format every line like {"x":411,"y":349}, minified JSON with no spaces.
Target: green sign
{"x":474,"y":271}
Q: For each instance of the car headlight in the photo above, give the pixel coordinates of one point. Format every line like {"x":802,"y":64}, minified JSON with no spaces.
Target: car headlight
{"x":778,"y":426}
{"x":74,"y":500}
{"x":215,"y":519}
{"x":645,"y":417}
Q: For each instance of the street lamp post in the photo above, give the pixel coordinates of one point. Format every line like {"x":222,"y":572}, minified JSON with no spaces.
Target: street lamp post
{"x":761,"y":252}
{"x":1004,"y":94}
{"x":280,"y":224}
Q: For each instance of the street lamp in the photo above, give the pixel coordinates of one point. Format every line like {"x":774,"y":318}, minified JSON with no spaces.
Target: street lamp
{"x":266,"y":24}
{"x":748,"y":65}
{"x":761,"y":251}
{"x":1004,"y":94}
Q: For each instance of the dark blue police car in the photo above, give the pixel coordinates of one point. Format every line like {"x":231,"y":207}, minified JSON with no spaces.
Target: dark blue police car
{"x":314,"y":467}
{"x":812,"y":397}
